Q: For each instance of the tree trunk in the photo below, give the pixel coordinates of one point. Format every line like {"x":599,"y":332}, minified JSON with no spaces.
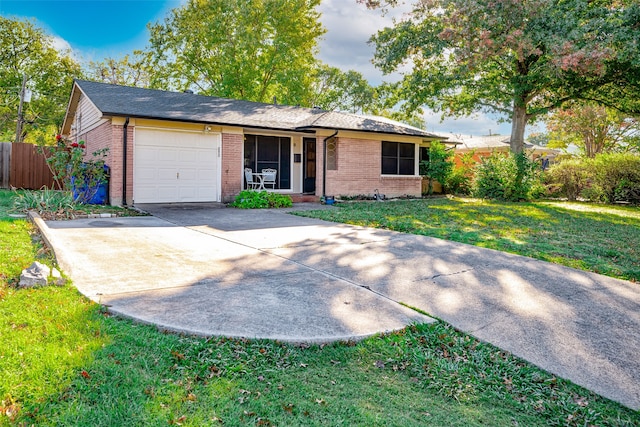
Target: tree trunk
{"x":518,"y":125}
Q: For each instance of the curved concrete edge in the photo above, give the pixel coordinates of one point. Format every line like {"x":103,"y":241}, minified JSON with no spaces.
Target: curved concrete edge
{"x":50,"y":241}
{"x":65,"y":264}
{"x":163,"y":327}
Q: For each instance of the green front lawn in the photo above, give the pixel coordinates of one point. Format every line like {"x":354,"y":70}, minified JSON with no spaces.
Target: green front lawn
{"x":598,"y":238}
{"x":64,"y":361}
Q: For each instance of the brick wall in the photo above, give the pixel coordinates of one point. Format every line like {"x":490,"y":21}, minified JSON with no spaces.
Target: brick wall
{"x":110,"y":136}
{"x":232,"y":174}
{"x":359,"y":172}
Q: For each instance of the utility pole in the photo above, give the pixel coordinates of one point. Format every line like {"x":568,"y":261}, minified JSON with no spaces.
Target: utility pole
{"x":20,"y":119}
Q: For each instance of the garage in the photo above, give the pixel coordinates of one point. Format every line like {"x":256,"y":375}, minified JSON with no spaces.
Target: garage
{"x":176,"y":166}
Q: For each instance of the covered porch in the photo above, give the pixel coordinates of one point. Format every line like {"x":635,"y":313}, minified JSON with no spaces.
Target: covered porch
{"x":282,"y":163}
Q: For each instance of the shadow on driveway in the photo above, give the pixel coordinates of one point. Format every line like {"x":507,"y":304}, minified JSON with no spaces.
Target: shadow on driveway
{"x":267,"y":274}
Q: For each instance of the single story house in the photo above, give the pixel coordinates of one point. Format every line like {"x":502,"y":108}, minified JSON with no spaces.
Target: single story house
{"x":169,"y":147}
{"x":485,"y":146}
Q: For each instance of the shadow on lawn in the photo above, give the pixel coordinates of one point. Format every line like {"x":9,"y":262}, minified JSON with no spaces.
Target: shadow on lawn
{"x":307,"y":273}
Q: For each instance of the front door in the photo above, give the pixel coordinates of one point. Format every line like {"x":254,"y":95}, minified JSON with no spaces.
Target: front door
{"x":309,"y":166}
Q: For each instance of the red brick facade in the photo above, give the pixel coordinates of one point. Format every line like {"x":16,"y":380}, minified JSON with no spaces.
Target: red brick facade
{"x":111,"y":136}
{"x":358,"y":166}
{"x":359,"y":172}
{"x":232,"y":146}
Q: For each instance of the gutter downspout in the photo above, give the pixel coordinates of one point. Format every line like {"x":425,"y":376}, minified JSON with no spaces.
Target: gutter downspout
{"x":124,"y":162}
{"x":324,"y":165}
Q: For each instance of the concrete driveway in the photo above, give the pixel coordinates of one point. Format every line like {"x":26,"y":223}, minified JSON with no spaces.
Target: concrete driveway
{"x":209,"y":270}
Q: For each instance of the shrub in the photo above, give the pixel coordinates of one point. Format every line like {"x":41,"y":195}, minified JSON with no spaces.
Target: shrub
{"x":250,"y":199}
{"x":617,"y":177}
{"x":511,"y":177}
{"x":568,"y":178}
{"x":607,"y":178}
{"x":73,"y":172}
{"x":460,"y":180}
{"x":439,"y":166}
{"x":45,"y":200}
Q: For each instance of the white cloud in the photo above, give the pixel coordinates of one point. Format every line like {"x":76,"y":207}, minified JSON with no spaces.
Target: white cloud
{"x":477,"y":124}
{"x":349,"y":27}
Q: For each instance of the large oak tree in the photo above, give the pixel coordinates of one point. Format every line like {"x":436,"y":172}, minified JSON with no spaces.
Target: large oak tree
{"x":518,"y":58}
{"x":255,"y":50}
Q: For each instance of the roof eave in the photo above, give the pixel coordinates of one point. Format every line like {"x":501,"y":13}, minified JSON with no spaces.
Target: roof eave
{"x":422,"y":135}
{"x":206,"y":122}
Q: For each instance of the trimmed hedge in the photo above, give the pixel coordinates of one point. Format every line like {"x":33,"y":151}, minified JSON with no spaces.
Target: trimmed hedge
{"x":607,"y":178}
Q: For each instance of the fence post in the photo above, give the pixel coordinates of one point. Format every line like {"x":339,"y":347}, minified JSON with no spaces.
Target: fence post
{"x":5,"y":163}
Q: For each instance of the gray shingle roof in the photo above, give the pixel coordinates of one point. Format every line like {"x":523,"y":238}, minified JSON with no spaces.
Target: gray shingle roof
{"x":116,"y":100}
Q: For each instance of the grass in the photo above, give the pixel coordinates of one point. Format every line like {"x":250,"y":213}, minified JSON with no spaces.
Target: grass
{"x":602,"y":239}
{"x":65,"y":361}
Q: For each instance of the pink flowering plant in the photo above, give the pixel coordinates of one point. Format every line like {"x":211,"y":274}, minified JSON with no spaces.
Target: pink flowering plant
{"x":73,"y":171}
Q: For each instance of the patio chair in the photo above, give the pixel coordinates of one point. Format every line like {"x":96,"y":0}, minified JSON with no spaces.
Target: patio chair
{"x":252,"y":183}
{"x":269,"y":177}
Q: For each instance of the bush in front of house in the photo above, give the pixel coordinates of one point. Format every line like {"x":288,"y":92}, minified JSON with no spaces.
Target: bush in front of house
{"x":438,"y":167}
{"x":607,"y":178}
{"x":73,"y":170}
{"x":251,"y":199}
{"x":509,"y":177}
{"x":460,"y":181}
{"x":45,"y":200}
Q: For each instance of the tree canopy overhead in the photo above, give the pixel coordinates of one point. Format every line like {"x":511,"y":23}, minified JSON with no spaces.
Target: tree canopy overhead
{"x":518,"y":58}
{"x":245,"y":49}
{"x":27,"y":50}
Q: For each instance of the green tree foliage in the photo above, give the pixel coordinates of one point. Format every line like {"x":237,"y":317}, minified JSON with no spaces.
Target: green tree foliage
{"x":349,"y":91}
{"x":346,"y":91}
{"x":517,"y":58}
{"x":245,"y":49}
{"x":439,"y":165}
{"x":593,"y":128}
{"x":26,"y":49}
{"x":130,"y":70}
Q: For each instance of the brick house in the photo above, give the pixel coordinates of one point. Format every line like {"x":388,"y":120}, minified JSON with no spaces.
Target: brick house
{"x":485,"y":146}
{"x":169,"y":147}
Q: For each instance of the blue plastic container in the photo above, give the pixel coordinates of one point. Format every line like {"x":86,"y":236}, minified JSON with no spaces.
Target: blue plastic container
{"x":99,"y":192}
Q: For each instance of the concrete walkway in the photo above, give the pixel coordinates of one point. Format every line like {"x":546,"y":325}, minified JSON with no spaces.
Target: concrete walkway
{"x":209,"y":270}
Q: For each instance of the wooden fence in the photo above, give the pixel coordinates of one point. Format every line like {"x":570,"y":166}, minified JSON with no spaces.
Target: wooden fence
{"x":22,"y":166}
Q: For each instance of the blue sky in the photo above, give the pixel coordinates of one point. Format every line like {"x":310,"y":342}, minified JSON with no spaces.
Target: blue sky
{"x":96,"y":29}
{"x":93,"y":28}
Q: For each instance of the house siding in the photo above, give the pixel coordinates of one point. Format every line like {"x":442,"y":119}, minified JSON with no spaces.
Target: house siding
{"x":87,"y":118}
{"x":232,"y":169}
{"x":359,"y":172}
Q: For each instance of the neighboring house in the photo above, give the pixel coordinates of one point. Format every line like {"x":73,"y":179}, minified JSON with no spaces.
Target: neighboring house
{"x":485,"y":146}
{"x":180,"y":147}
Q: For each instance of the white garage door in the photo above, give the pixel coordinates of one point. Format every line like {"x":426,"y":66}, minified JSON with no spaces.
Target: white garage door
{"x":174,"y":166}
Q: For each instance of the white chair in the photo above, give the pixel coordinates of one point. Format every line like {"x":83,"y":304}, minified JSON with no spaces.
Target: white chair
{"x":251,"y":182}
{"x":269,"y":177}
